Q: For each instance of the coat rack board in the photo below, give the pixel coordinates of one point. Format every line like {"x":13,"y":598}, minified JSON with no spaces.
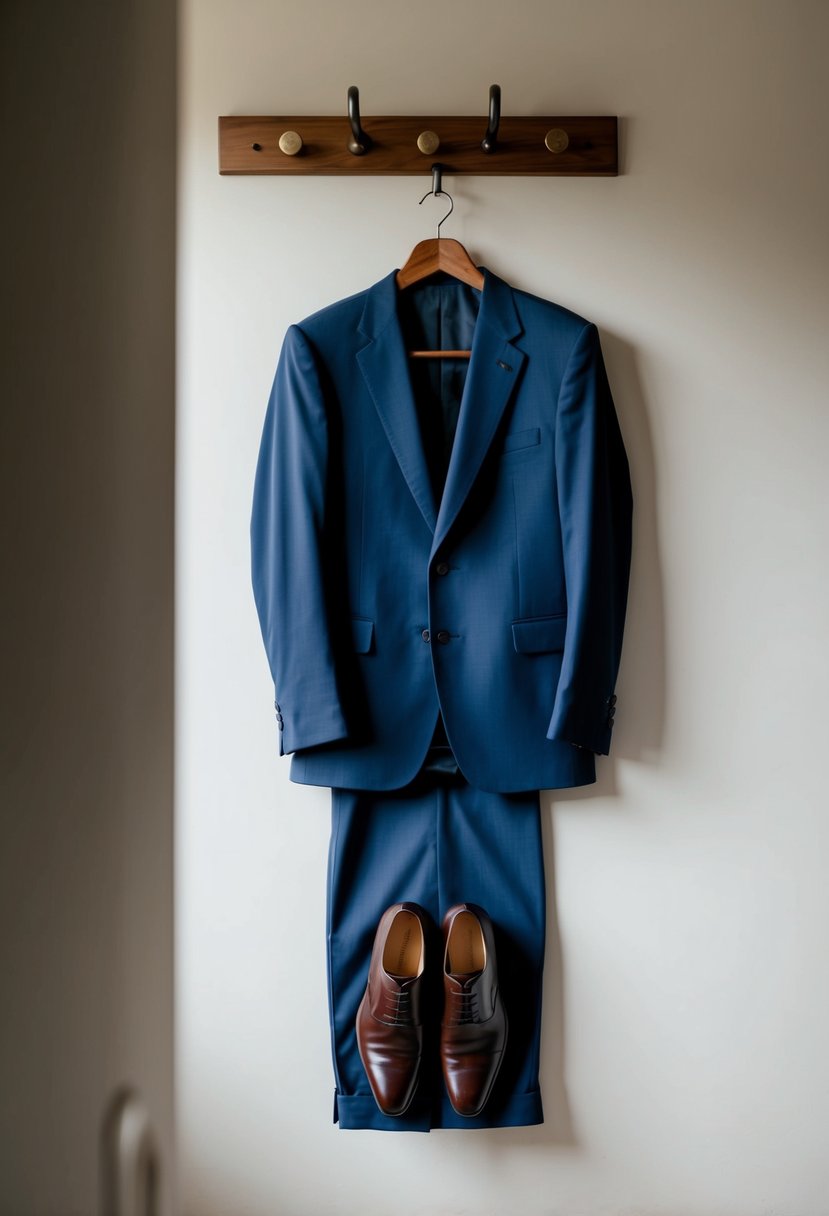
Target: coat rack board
{"x":526,"y":145}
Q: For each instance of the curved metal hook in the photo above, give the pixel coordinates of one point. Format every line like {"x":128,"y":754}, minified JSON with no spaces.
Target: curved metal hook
{"x":437,"y":188}
{"x":490,"y":140}
{"x":359,"y":143}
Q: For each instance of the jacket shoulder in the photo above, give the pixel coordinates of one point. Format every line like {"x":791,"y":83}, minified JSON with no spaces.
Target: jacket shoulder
{"x":539,"y":310}
{"x":332,"y":318}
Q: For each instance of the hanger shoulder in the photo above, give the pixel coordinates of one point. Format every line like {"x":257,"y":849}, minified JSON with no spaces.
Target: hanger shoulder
{"x":439,"y":253}
{"x":427,"y":257}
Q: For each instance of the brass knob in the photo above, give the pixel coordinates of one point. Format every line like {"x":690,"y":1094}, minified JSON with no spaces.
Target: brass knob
{"x":556,"y":140}
{"x":428,"y":142}
{"x":290,"y":143}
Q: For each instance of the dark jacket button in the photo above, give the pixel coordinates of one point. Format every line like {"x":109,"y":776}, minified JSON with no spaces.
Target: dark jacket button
{"x":442,"y":568}
{"x":443,"y":636}
{"x":426,"y":635}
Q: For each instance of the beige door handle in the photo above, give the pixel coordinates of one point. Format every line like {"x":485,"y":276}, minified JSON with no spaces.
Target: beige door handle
{"x":130,"y":1165}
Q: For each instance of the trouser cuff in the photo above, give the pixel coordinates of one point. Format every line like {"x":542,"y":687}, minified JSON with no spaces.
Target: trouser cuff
{"x":357,"y":1111}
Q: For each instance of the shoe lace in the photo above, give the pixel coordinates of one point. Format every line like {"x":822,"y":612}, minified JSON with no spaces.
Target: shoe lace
{"x":463,"y":1008}
{"x":398,"y":1006}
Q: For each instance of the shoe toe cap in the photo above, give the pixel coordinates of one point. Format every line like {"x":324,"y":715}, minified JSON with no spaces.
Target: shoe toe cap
{"x":393,"y":1088}
{"x":469,"y":1082}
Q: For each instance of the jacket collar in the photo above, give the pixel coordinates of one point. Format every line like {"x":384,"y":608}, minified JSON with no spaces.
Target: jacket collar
{"x":494,"y":368}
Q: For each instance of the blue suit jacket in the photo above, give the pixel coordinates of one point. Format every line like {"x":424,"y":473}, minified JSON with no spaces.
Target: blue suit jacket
{"x":386,"y":596}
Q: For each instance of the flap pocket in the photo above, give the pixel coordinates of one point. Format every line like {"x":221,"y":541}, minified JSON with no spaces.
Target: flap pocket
{"x":521,"y":439}
{"x":362,"y":632}
{"x":539,"y":634}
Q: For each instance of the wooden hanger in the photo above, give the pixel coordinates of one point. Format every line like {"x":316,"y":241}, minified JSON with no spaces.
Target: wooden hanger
{"x":439,"y":253}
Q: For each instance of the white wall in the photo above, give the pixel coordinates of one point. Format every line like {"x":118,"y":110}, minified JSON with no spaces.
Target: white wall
{"x":685,"y":1070}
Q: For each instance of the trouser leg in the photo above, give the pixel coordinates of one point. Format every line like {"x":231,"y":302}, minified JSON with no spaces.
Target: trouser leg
{"x":382,"y":851}
{"x":436,"y":843}
{"x":490,"y":853}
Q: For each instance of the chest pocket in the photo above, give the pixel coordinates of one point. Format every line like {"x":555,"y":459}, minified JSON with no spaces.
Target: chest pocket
{"x":518,"y":441}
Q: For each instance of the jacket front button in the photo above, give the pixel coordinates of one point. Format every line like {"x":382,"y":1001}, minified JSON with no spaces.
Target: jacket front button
{"x":442,"y":568}
{"x":443,"y":636}
{"x":427,"y":637}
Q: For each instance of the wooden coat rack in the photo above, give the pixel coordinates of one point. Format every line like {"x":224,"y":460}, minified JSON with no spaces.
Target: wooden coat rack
{"x":399,"y":144}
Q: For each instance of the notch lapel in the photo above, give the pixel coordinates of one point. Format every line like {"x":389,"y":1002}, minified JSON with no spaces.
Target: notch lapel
{"x":384,"y":364}
{"x":494,"y":367}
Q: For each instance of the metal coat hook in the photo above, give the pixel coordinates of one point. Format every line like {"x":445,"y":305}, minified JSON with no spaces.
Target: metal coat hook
{"x":437,"y":188}
{"x":359,"y":143}
{"x":490,"y":140}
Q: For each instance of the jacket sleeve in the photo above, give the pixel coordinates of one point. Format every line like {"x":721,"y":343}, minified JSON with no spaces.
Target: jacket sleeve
{"x":595,"y":506}
{"x":289,"y":551}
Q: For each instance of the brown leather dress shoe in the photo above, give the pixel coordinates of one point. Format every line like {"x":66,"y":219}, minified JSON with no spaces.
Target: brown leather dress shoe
{"x":473,"y":1032}
{"x":389,"y":1027}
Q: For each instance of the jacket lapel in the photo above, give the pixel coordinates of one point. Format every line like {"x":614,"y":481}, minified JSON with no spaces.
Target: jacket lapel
{"x":494,"y":367}
{"x":384,"y":363}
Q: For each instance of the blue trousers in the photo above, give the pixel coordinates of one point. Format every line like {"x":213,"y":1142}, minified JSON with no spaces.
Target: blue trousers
{"x":437,"y":842}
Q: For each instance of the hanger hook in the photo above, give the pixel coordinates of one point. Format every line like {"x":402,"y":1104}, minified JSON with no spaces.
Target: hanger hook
{"x":437,"y":188}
